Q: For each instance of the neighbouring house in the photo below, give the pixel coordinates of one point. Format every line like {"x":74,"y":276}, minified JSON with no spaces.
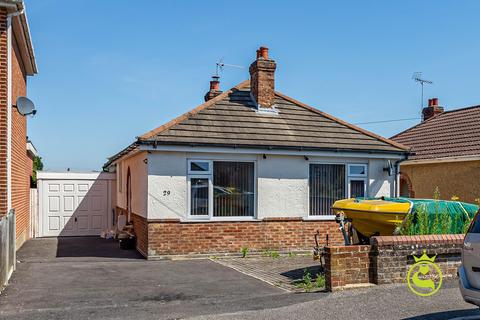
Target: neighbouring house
{"x":17,"y":62}
{"x":250,"y":167}
{"x":445,"y":154}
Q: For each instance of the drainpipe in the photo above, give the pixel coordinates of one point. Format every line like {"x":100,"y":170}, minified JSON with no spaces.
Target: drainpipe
{"x":9,"y":106}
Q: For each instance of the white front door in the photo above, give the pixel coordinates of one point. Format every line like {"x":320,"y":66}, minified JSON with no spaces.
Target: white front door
{"x":73,"y":207}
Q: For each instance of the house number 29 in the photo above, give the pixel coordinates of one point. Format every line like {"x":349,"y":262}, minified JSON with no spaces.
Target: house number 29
{"x":166,"y":193}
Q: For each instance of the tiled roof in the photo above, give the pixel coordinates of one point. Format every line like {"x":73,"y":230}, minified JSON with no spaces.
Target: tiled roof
{"x":232,"y":120}
{"x":450,"y":134}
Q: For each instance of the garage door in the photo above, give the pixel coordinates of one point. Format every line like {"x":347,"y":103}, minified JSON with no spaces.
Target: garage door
{"x":70,"y":206}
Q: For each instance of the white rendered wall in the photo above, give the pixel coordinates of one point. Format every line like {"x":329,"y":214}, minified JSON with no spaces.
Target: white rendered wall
{"x":282,"y":182}
{"x":138,"y":174}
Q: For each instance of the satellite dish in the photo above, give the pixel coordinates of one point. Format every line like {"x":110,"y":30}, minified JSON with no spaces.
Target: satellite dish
{"x":390,"y":168}
{"x":25,"y":106}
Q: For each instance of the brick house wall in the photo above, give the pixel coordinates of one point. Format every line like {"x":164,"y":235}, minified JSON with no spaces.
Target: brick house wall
{"x":3,"y":112}
{"x":451,"y":178}
{"x":21,"y":164}
{"x":171,"y":237}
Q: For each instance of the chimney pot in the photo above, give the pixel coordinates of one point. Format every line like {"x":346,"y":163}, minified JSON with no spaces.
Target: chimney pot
{"x":214,"y":88}
{"x":264,"y":52}
{"x":258,"y":53}
{"x":433,"y":109}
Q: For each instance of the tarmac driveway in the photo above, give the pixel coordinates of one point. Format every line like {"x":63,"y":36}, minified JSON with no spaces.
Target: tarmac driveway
{"x":91,"y":278}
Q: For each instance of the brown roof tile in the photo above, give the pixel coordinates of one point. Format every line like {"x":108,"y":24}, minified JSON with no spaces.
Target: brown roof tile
{"x":454,"y":133}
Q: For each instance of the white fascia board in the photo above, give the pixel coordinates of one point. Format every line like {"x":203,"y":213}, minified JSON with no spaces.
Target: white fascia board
{"x":341,"y":154}
{"x":50,"y":175}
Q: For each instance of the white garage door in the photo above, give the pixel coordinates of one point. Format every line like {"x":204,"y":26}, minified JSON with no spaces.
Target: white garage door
{"x":73,"y":204}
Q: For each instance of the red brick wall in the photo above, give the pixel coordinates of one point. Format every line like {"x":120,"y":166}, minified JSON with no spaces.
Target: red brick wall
{"x":347,"y":265}
{"x":140,"y":227}
{"x":21,"y":163}
{"x":172,"y":237}
{"x":388,"y":259}
{"x":3,"y":112}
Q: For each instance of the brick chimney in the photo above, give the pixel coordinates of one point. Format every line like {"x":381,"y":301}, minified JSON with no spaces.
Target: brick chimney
{"x":432,"y":110}
{"x":214,"y":88}
{"x":262,"y":79}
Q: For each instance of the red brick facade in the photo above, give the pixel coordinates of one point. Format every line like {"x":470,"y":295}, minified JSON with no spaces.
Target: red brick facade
{"x":3,"y":112}
{"x":21,"y":164}
{"x":163,"y":238}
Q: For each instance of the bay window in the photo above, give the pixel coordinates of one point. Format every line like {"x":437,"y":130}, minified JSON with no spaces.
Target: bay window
{"x":221,"y":189}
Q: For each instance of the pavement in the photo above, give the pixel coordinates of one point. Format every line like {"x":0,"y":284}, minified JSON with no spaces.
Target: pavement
{"x":91,"y":278}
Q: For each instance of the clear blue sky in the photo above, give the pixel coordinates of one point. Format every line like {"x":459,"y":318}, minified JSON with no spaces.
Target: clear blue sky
{"x":112,"y":70}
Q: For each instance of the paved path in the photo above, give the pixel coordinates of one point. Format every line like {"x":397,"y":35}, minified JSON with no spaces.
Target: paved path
{"x":283,"y":272}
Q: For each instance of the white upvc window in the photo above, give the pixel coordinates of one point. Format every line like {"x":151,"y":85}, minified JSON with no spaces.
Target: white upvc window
{"x":329,"y":182}
{"x":357,"y":180}
{"x":221,"y":189}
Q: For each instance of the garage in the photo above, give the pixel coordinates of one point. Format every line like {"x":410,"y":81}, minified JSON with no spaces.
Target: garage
{"x":74,"y":204}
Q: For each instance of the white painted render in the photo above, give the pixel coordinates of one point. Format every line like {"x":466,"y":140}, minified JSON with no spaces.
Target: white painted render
{"x":281,"y":181}
{"x":138,"y":173}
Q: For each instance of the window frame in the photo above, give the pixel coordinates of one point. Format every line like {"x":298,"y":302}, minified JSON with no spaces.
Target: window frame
{"x":193,"y":172}
{"x":210,"y":196}
{"x":354,"y":178}
{"x":203,"y":174}
{"x":348,"y":177}
{"x":365,"y":166}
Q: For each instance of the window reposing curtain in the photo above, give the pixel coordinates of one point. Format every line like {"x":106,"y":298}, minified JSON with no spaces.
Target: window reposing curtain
{"x":326,"y":184}
{"x":233,"y":189}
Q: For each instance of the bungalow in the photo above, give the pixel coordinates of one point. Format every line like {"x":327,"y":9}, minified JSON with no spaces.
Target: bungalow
{"x":445,"y":154}
{"x":250,"y":167}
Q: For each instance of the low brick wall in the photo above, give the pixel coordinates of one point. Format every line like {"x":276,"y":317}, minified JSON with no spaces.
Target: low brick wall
{"x":172,"y":237}
{"x":389,"y":258}
{"x":347,"y":265}
{"x":395,"y":255}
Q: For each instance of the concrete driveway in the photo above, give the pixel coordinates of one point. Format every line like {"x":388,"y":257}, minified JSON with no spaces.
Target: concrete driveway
{"x":91,"y":278}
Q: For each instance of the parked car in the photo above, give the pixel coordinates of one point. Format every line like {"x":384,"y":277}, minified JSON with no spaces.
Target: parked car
{"x":469,"y":270}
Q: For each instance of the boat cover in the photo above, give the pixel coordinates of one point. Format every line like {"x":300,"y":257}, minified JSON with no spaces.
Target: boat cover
{"x":460,"y":213}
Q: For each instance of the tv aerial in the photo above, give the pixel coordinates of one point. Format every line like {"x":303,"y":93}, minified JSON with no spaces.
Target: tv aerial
{"x":25,"y":106}
{"x":220,"y":65}
{"x":417,"y":76}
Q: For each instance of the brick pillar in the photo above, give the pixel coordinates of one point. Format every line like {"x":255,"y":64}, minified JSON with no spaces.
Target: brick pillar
{"x":347,"y":266}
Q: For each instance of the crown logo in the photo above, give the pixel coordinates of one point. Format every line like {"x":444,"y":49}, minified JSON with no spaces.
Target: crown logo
{"x":424,"y":257}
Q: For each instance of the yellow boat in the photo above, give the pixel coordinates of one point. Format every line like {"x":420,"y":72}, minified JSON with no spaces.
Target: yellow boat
{"x":373,"y":216}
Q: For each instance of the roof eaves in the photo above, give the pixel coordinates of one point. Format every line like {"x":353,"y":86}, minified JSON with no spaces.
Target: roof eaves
{"x":120,"y":154}
{"x":351,"y":126}
{"x":168,"y":125}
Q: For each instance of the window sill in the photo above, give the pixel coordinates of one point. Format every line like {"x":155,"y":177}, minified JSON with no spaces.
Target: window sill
{"x":221,"y":219}
{"x":320,"y":218}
